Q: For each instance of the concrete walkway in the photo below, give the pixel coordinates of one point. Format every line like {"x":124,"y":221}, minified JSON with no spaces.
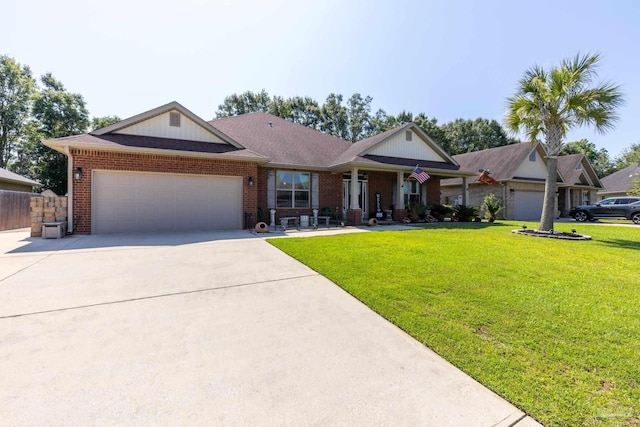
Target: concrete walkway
{"x":209,"y":329}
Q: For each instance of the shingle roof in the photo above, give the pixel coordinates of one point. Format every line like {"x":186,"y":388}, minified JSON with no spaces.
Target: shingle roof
{"x":9,"y":176}
{"x":501,"y":161}
{"x":284,"y":142}
{"x":621,"y":180}
{"x":122,"y":142}
{"x":568,"y":168}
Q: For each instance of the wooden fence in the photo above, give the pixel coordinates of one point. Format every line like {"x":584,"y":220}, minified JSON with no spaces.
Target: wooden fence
{"x":15,"y":210}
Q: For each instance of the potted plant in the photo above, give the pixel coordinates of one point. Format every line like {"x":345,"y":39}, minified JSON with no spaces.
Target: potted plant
{"x":491,"y":206}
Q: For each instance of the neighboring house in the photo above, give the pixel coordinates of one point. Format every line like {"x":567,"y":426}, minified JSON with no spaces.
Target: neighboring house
{"x":581,"y":183}
{"x":619,"y":183}
{"x":14,"y":182}
{"x":167,"y":169}
{"x":520,"y":172}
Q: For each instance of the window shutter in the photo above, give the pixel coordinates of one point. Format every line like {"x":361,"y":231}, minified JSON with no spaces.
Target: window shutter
{"x":271,"y":189}
{"x":315,"y":191}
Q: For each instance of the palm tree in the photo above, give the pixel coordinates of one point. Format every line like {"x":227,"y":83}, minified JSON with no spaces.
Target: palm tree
{"x":552,"y":102}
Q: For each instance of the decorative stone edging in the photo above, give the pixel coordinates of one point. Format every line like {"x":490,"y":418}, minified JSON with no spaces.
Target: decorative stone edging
{"x":552,"y":234}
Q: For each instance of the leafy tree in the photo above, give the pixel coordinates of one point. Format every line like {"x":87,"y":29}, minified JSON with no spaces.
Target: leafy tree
{"x":435,"y":131}
{"x":16,"y":89}
{"x":599,"y":159}
{"x":359,"y":113}
{"x":304,"y":111}
{"x":465,"y":136}
{"x":628,"y":157}
{"x":56,"y":113}
{"x":100,"y":122}
{"x":551,"y":102}
{"x":335,"y":120}
{"x":244,"y":103}
{"x":635,"y":186}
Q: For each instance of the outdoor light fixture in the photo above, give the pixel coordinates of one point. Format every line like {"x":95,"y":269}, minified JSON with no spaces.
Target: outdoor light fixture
{"x":77,"y":173}
{"x":524,"y":227}
{"x":573,"y":230}
{"x":250,"y":181}
{"x":511,"y":190}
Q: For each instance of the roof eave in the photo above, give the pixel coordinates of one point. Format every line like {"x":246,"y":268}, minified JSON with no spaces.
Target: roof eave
{"x":59,"y":146}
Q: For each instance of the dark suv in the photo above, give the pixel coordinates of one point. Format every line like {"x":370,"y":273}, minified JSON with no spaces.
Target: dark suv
{"x":613,"y":207}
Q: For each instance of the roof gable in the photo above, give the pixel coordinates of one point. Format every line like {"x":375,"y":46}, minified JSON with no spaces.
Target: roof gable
{"x":407,"y":143}
{"x":532,"y":166}
{"x":577,"y":170}
{"x":157,"y":123}
{"x":393,"y":144}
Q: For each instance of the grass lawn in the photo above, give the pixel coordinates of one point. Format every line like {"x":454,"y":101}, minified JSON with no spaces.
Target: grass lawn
{"x":552,"y":326}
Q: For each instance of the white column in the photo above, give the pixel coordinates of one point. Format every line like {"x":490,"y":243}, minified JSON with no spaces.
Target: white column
{"x":400,"y":190}
{"x":465,"y":191}
{"x":355,"y":203}
{"x":567,"y":199}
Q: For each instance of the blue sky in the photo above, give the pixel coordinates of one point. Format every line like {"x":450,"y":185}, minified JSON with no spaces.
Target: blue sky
{"x":448,"y":59}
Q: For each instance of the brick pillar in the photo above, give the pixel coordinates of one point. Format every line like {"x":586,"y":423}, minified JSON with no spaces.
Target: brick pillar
{"x":398,"y":214}
{"x":354,"y":216}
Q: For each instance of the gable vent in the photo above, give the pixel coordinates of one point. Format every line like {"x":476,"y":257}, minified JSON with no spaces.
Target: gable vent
{"x":174,"y":119}
{"x":409,"y":135}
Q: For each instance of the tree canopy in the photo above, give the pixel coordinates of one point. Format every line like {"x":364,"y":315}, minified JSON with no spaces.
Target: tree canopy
{"x":629,"y":156}
{"x":17,"y":87}
{"x":549,"y":103}
{"x":599,"y":159}
{"x":352,"y":119}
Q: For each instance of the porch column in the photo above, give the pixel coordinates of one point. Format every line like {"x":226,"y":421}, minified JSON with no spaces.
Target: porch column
{"x":399,"y":211}
{"x":465,"y":190}
{"x":355,"y":203}
{"x":567,"y":200}
{"x":354,"y":215}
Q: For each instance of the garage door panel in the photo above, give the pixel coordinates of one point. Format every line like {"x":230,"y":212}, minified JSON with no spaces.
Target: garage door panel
{"x":528,"y":205}
{"x":126,"y":202}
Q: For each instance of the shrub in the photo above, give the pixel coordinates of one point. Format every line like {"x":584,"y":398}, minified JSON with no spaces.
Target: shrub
{"x":492,"y":206}
{"x":463,"y":213}
{"x":439,"y":212}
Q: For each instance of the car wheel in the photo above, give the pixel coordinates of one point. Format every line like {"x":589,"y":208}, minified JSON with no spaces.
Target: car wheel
{"x":636,"y":218}
{"x":581,"y":216}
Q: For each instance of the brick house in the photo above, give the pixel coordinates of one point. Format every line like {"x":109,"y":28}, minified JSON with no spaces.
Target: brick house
{"x":520,"y":172}
{"x":169,"y":170}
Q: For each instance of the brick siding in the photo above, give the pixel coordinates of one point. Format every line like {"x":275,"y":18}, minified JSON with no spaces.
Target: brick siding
{"x":90,"y":160}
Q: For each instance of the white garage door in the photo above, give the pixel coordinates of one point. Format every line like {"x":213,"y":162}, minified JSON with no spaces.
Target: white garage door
{"x":126,"y":202}
{"x":528,"y":205}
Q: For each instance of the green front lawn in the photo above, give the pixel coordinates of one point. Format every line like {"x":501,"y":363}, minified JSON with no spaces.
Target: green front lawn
{"x":552,"y":326}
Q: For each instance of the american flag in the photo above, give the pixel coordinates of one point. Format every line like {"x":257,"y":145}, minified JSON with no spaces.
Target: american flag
{"x":420,"y":175}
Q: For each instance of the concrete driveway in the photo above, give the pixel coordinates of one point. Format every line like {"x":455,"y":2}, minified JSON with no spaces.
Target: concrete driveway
{"x":208,"y":329}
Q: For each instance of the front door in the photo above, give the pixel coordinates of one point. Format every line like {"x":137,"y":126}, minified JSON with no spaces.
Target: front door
{"x":362,"y":197}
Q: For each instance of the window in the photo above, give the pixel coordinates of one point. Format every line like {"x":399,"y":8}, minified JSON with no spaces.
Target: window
{"x":174,"y":119}
{"x":292,"y":189}
{"x":586,"y":198}
{"x":412,"y":192}
{"x":409,"y":135}
{"x":532,"y":156}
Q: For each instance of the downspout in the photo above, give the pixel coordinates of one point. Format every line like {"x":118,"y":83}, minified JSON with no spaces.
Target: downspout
{"x":69,"y":189}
